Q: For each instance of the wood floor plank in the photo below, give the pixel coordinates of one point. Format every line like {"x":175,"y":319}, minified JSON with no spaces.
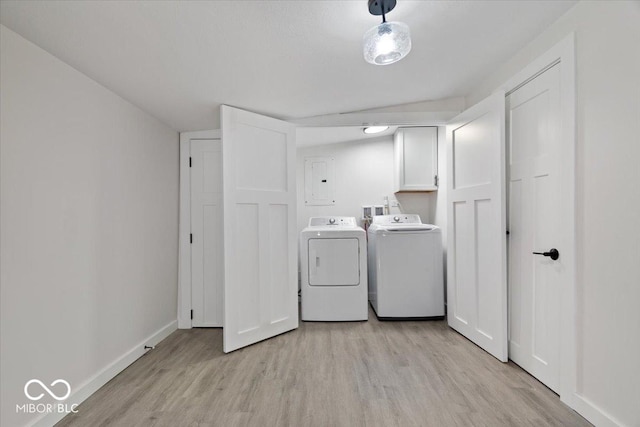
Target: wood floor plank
{"x":325,"y":374}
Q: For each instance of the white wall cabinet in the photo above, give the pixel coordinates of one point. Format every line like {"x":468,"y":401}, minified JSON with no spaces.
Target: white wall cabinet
{"x":416,"y":159}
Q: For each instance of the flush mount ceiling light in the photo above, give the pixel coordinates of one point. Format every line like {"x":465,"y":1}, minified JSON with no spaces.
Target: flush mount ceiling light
{"x":375,"y":129}
{"x":388,"y":42}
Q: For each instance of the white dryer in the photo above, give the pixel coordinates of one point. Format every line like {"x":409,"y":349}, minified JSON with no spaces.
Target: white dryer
{"x":333,"y":258}
{"x":405,"y":268}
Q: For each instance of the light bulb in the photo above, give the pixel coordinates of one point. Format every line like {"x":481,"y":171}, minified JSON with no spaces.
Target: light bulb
{"x":386,"y":43}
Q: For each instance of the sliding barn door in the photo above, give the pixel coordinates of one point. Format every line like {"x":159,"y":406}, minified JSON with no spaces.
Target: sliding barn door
{"x":260,"y":245}
{"x":476,"y":270}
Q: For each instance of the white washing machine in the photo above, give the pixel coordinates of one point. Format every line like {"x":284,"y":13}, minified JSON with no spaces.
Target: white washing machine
{"x":405,"y":268}
{"x":333,"y":258}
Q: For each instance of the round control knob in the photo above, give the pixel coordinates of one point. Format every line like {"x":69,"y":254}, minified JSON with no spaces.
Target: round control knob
{"x":332,"y":221}
{"x":396,"y":219}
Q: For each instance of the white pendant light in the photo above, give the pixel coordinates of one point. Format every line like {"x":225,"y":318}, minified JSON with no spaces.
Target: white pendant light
{"x":388,"y":42}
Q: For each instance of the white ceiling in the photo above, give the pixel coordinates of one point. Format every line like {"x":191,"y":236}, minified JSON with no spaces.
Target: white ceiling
{"x":179,"y":60}
{"x":307,"y":136}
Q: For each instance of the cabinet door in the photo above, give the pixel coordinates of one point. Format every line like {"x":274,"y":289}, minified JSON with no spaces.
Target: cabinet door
{"x":416,"y":156}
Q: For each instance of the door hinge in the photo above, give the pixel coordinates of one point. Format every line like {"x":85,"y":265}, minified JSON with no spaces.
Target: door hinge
{"x":435,"y":180}
{"x":191,"y":238}
{"x":189,"y":161}
{"x":191,"y":314}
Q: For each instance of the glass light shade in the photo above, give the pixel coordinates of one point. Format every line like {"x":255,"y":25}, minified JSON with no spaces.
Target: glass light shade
{"x":387,"y":43}
{"x":375,"y":129}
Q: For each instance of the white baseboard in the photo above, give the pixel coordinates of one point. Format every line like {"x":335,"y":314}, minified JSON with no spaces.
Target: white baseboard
{"x":92,"y":385}
{"x":592,"y":413}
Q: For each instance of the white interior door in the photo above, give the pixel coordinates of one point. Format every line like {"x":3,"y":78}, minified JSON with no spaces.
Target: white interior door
{"x":206,"y":232}
{"x":476,"y":209}
{"x":260,"y":245}
{"x":535,"y":225}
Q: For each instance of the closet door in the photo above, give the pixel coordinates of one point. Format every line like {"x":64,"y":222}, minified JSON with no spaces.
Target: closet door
{"x":476,"y":210}
{"x":537,"y":225}
{"x":260,"y":244}
{"x":206,"y":233}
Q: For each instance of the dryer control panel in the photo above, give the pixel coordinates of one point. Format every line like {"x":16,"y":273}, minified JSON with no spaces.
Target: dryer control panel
{"x":397,"y":219}
{"x":328,"y":221}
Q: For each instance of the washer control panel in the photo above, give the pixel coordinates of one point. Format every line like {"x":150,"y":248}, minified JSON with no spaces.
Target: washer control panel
{"x":333,"y":221}
{"x":397,"y":219}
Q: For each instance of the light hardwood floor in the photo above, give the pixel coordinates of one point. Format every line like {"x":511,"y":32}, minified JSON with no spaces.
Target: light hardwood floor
{"x":325,"y":374}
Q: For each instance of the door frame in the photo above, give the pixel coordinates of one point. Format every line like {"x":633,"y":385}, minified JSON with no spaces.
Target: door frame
{"x":184,"y":225}
{"x":563,"y":53}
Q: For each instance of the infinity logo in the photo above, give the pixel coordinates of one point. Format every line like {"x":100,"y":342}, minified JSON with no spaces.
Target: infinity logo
{"x":52,"y":394}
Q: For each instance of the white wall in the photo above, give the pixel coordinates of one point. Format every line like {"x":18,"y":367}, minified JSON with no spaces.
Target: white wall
{"x":364,"y":176}
{"x":89,"y":217}
{"x":608,"y":199}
